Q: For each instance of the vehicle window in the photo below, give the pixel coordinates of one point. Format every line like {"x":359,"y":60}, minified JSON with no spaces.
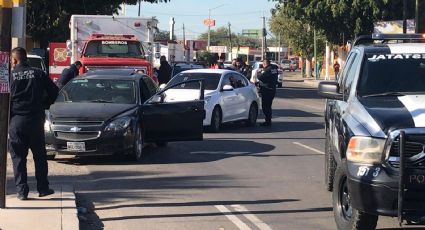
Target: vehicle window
{"x":114,"y":49}
{"x":150,"y":85}
{"x":99,"y":91}
{"x":211,"y":80}
{"x":180,"y":68}
{"x":341,"y":79}
{"x":144,"y":92}
{"x":351,"y":73}
{"x":35,"y":62}
{"x":239,"y":81}
{"x":389,"y":73}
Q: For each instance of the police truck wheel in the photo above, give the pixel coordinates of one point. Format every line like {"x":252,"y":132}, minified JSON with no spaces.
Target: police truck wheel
{"x":138,"y":146}
{"x":216,"y":120}
{"x":252,"y":116}
{"x":330,"y":164}
{"x":346,"y":217}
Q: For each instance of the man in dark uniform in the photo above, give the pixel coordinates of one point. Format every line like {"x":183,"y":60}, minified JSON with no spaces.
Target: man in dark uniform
{"x":267,"y":82}
{"x":164,"y":73}
{"x":32,"y":92}
{"x":243,"y":68}
{"x":69,"y":73}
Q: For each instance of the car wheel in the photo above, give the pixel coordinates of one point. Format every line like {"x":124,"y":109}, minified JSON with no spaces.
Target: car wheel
{"x":346,"y":217}
{"x":138,"y":146}
{"x":330,"y":164}
{"x":252,"y":115}
{"x":279,"y":85}
{"x":216,"y":120}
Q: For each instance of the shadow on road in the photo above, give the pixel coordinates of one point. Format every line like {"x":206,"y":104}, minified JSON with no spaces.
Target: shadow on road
{"x":293,"y":113}
{"x":297,"y":92}
{"x":184,"y":152}
{"x":277,"y":126}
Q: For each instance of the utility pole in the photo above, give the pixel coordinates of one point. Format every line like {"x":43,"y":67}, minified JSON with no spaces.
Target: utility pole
{"x":263,"y":40}
{"x":404,"y":16}
{"x":5,"y":46}
{"x":209,"y":30}
{"x":417,"y":17}
{"x":230,"y":41}
{"x":140,"y":6}
{"x":184,"y":44}
{"x":316,"y":69}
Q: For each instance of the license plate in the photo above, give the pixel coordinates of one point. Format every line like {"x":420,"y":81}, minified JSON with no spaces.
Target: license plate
{"x":415,"y":178}
{"x":76,"y":146}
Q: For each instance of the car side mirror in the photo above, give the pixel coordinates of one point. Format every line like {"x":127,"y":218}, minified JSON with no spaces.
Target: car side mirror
{"x":329,"y":90}
{"x":157,"y":99}
{"x":162,"y":86}
{"x":228,"y":88}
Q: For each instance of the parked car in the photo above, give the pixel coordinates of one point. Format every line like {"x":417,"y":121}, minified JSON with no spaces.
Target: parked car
{"x":37,"y":62}
{"x":104,"y":113}
{"x":258,"y":67}
{"x":289,"y":65}
{"x":178,"y":67}
{"x":229,"y":96}
{"x":374,"y":130}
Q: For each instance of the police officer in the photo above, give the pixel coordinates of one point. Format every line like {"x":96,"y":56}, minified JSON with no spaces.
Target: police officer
{"x":267,"y":83}
{"x":32,"y":92}
{"x":69,"y":73}
{"x":243,"y":68}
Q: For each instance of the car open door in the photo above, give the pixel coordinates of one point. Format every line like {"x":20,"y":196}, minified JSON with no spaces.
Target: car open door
{"x":176,"y":120}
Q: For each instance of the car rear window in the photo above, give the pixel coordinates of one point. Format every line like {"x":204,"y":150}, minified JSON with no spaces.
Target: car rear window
{"x":35,"y":62}
{"x":211,"y":80}
{"x":180,"y":68}
{"x":386,"y":73}
{"x":99,"y":91}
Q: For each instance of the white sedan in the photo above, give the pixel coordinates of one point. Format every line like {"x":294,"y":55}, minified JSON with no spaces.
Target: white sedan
{"x":229,"y":96}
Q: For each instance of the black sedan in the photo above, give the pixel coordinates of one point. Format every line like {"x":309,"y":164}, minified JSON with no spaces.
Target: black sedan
{"x":118,"y":112}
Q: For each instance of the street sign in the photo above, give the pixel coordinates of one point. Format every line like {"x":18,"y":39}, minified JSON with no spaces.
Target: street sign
{"x":4,"y":72}
{"x":218,"y":49}
{"x":255,"y":33}
{"x":209,"y":22}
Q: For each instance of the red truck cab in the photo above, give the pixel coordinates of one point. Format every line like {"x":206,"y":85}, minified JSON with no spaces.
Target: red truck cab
{"x":104,"y":51}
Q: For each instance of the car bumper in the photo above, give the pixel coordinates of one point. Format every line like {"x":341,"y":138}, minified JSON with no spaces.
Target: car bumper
{"x":108,"y":143}
{"x":374,"y":192}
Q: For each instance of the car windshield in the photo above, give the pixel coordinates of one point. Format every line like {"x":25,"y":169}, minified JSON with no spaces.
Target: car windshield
{"x":35,"y":62}
{"x":392,"y":73}
{"x":114,"y":48}
{"x":99,"y":91}
{"x":211,"y":80}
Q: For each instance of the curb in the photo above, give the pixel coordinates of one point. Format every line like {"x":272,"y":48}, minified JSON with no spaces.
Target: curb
{"x":69,"y":219}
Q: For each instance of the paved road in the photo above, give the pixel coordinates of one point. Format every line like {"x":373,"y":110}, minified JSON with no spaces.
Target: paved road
{"x":242,"y":178}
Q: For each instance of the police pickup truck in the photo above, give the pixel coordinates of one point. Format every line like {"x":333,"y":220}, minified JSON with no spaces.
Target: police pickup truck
{"x":375,"y":132}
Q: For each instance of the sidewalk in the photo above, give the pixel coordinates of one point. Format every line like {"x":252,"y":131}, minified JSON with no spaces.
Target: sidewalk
{"x":296,"y":77}
{"x":54,"y":212}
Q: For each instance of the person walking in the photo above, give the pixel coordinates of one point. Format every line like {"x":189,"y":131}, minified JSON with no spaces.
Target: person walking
{"x":164,"y":72}
{"x":32,"y":91}
{"x":336,"y":69}
{"x":267,"y":83}
{"x":69,"y":73}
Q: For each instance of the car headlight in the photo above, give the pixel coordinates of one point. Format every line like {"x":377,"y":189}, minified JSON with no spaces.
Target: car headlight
{"x":118,"y":124}
{"x":47,"y":124}
{"x":365,"y":150}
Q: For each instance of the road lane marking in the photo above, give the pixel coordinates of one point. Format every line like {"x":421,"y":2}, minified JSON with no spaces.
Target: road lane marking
{"x":309,"y":148}
{"x":241,"y":225}
{"x":251,"y":217}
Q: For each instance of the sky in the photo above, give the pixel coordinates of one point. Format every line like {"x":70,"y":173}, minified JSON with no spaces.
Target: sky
{"x":242,"y":14}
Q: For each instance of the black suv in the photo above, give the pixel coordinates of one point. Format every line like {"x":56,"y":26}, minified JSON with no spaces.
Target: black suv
{"x":375,"y":132}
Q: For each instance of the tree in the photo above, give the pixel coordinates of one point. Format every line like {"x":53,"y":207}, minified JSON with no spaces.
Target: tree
{"x":49,"y":20}
{"x":218,"y":37}
{"x":163,"y":35}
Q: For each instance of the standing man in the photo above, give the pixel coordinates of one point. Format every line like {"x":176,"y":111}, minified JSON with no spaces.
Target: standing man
{"x":336,"y":69}
{"x":164,"y":72}
{"x":69,"y":73}
{"x":267,"y":83}
{"x":243,"y":68}
{"x":32,"y":91}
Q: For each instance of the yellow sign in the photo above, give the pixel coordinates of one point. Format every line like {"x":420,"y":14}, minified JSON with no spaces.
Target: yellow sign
{"x":60,"y":55}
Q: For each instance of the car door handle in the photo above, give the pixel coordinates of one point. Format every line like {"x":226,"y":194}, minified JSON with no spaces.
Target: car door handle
{"x":194,"y":108}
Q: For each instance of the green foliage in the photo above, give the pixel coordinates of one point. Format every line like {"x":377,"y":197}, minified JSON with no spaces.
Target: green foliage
{"x":206,"y":57}
{"x":49,"y":20}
